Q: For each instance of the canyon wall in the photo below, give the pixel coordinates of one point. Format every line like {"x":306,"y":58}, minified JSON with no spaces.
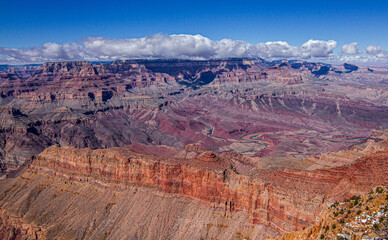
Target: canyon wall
{"x":284,"y":200}
{"x":39,"y":206}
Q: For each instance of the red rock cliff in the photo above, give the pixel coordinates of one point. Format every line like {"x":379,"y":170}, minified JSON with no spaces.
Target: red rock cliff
{"x":285,"y":200}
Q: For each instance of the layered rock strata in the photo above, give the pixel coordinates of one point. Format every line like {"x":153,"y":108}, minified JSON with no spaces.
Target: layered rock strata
{"x":284,"y":200}
{"x":213,"y":103}
{"x":39,"y":206}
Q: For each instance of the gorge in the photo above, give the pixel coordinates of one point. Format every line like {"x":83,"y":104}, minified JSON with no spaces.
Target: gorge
{"x":183,"y":149}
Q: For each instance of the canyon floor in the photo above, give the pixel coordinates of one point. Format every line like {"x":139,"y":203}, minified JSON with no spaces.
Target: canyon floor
{"x":180,"y":149}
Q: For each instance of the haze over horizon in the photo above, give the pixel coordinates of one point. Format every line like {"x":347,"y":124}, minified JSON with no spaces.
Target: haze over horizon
{"x":348,"y":31}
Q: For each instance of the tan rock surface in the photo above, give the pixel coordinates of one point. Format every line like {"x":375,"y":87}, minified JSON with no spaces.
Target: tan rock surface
{"x":39,"y":206}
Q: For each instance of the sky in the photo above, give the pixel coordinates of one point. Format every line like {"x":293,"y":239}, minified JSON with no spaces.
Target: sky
{"x":38,"y":31}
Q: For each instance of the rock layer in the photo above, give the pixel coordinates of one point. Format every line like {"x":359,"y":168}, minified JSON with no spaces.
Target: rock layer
{"x":285,"y":200}
{"x":39,"y":206}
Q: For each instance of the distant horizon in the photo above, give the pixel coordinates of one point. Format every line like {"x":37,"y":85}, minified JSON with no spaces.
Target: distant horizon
{"x":194,"y":47}
{"x":353,"y":31}
{"x":185,"y":59}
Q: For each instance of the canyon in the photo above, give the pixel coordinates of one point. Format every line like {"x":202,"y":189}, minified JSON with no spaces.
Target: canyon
{"x":214,"y":103}
{"x":183,"y":149}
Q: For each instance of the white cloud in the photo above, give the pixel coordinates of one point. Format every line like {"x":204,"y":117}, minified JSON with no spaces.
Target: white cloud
{"x":177,"y":46}
{"x":318,"y":48}
{"x":373,"y":49}
{"x":48,"y":52}
{"x":351,"y":49}
{"x":155,"y":46}
{"x":376,"y":51}
{"x":231,"y":48}
{"x":277,"y":49}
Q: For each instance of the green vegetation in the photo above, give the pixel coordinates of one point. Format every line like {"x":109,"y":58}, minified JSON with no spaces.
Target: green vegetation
{"x":356,"y":200}
{"x":336,"y":204}
{"x":361,"y":212}
{"x":355,"y":197}
{"x":376,"y":227}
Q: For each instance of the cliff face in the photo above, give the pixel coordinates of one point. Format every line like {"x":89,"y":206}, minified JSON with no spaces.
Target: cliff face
{"x":284,"y":200}
{"x":39,"y":206}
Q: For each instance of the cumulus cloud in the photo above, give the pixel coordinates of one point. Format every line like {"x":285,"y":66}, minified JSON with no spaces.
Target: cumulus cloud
{"x":351,"y":49}
{"x":318,"y":48}
{"x":168,"y":46}
{"x":231,"y":48}
{"x":155,"y":46}
{"x":49,"y":51}
{"x":277,"y":50}
{"x":377,"y":51}
{"x":373,"y":49}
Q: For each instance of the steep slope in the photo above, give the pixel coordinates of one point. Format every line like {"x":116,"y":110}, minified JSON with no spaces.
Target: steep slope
{"x":39,"y":206}
{"x":237,"y":199}
{"x":360,"y":217}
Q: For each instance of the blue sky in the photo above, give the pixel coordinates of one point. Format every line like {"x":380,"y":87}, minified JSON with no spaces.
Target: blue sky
{"x":26,"y":24}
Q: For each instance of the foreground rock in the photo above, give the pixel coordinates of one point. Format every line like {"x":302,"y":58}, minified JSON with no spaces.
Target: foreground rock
{"x":40,"y":206}
{"x":83,"y":193}
{"x":360,"y":217}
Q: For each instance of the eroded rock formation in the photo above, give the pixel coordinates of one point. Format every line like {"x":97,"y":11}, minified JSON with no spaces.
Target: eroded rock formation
{"x":283,"y":200}
{"x":236,"y":148}
{"x":293,"y":112}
